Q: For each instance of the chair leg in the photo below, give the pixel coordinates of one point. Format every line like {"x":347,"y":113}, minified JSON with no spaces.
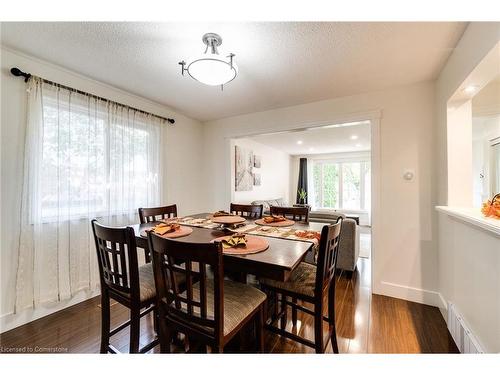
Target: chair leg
{"x":284,"y":311}
{"x":105,"y":321}
{"x":135,"y":326}
{"x":259,"y":329}
{"x":218,"y":349}
{"x":147,"y":257}
{"x":294,"y":313}
{"x":331,"y":316}
{"x":318,"y":328}
{"x":155,"y":320}
{"x":165,"y":335}
{"x":275,"y":304}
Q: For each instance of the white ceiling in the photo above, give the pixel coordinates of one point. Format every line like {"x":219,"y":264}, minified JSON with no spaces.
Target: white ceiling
{"x":280,"y":64}
{"x":324,"y":140}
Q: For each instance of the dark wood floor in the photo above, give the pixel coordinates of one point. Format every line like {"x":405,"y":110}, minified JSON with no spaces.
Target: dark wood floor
{"x":366,"y":323}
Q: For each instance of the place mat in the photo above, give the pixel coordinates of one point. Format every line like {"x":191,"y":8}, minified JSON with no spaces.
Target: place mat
{"x":254,"y":245}
{"x":181,"y":232}
{"x":228,"y":219}
{"x":284,"y":223}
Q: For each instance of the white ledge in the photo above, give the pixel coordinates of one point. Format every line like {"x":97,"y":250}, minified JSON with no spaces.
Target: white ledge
{"x":472,"y":216}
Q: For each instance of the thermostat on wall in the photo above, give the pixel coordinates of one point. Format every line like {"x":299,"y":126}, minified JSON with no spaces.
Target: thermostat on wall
{"x":409,"y":175}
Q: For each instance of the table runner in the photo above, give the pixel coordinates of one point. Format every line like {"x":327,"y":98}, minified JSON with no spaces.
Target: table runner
{"x":287,"y":233}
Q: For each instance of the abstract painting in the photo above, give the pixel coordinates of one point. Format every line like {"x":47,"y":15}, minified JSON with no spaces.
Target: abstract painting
{"x":256,"y":161}
{"x":256,"y":179}
{"x":244,"y":165}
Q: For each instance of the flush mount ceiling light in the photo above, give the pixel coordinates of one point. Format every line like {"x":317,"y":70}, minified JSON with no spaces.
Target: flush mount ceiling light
{"x":209,"y":68}
{"x":471,"y":89}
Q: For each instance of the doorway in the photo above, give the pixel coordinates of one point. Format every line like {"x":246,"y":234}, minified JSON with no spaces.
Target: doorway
{"x":341,"y":167}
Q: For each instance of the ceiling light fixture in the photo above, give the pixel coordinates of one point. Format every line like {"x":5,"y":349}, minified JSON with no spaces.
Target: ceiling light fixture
{"x":299,"y":142}
{"x":353,"y":137}
{"x":209,"y":68}
{"x":471,"y":89}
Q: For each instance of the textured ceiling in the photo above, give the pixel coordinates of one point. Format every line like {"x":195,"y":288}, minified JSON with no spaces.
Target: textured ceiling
{"x":321,"y":140}
{"x":280,"y":64}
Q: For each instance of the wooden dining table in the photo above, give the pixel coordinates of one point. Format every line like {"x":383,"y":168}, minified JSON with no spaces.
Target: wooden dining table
{"x":276,"y":262}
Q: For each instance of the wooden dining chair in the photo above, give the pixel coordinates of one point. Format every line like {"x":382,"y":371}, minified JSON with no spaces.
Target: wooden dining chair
{"x":251,"y":211}
{"x":209,"y":310}
{"x":151,"y":214}
{"x":310,"y":283}
{"x":294,"y":213}
{"x":125,"y":282}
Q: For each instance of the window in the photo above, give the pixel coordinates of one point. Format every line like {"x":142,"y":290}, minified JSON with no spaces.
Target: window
{"x":96,"y":158}
{"x":341,"y":185}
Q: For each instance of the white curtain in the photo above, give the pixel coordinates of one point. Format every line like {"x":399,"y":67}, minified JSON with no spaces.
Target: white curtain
{"x":84,"y":158}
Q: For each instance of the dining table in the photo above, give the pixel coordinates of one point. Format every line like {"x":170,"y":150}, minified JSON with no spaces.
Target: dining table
{"x":277,"y":262}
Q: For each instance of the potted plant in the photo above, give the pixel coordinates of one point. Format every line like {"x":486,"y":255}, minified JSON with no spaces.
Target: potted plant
{"x":302,"y":196}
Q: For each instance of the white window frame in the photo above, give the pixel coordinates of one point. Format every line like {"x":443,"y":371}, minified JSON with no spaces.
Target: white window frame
{"x":364,"y":162}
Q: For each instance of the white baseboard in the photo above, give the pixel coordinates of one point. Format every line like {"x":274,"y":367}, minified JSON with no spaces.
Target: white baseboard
{"x":10,"y":320}
{"x":426,"y":297}
{"x":443,"y":307}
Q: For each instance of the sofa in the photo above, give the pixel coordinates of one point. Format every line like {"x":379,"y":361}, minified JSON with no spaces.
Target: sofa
{"x":349,"y":234}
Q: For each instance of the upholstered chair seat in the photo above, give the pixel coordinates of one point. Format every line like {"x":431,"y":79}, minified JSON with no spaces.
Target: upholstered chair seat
{"x":240,"y":300}
{"x":301,"y":281}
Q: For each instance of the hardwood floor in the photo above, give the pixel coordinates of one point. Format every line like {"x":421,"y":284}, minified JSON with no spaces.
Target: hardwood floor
{"x":366,"y":323}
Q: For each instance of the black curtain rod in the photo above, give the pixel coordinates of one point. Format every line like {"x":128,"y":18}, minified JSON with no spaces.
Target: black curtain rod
{"x":19,"y":73}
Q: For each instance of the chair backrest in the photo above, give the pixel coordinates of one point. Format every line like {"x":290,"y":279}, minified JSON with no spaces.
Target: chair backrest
{"x":117,"y":257}
{"x":191,"y":307}
{"x":253,"y":211}
{"x":147,"y":215}
{"x":294,"y":213}
{"x":327,"y":256}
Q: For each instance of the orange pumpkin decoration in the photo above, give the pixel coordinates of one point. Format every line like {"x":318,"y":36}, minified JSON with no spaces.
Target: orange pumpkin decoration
{"x":492,"y":207}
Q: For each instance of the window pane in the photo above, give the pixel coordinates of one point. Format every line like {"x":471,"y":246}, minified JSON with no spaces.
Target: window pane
{"x":72,"y":162}
{"x":317,"y":184}
{"x":351,"y":197}
{"x":330,"y":186}
{"x":95,"y":161}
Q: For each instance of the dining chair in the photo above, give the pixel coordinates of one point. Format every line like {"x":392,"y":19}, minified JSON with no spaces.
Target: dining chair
{"x":252,"y":211}
{"x":310,"y":283}
{"x":294,"y":213}
{"x":124,"y":281}
{"x":152,"y":214}
{"x":209,"y":310}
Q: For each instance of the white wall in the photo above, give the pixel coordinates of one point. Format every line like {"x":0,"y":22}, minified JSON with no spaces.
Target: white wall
{"x":274,"y":173}
{"x":468,"y":258}
{"x":460,"y":149}
{"x":404,"y":258}
{"x":178,"y":187}
{"x":469,"y":264}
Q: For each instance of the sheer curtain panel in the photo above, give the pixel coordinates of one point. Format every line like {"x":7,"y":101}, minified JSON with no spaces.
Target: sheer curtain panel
{"x":84,"y":158}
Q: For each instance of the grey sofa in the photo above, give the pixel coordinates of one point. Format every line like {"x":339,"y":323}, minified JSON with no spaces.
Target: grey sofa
{"x":270,"y":202}
{"x":349,"y":235}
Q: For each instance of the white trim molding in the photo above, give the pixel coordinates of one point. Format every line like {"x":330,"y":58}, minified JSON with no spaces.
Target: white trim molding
{"x":427,"y":297}
{"x":472,"y":216}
